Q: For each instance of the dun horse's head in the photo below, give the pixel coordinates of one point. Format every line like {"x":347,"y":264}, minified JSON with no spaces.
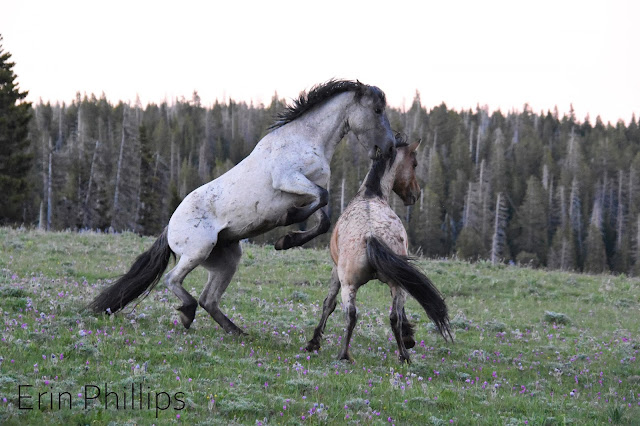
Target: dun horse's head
{"x":368,"y":121}
{"x":405,"y":183}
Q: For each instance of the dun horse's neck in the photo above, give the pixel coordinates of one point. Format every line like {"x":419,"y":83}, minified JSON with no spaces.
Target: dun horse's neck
{"x":379,"y":186}
{"x":386,"y":184}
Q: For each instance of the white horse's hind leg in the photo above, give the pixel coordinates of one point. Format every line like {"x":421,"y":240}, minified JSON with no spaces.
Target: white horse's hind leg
{"x":222,"y":265}
{"x":174,"y":279}
{"x":193,"y":246}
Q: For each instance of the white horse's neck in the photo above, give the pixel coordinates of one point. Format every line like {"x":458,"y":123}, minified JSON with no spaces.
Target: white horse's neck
{"x":325,"y":125}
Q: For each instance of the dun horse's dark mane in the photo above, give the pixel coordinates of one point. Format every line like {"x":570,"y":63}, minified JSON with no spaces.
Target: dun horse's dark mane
{"x":317,"y":95}
{"x":378,"y":168}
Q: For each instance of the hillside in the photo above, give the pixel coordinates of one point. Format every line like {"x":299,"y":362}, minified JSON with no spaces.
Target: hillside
{"x":531,"y":346}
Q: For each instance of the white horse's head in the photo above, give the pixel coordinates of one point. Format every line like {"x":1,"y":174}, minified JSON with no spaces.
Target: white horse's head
{"x":368,"y":121}
{"x":362,"y":108}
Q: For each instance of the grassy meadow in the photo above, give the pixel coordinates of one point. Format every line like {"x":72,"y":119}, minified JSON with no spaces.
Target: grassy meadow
{"x":532,"y":347}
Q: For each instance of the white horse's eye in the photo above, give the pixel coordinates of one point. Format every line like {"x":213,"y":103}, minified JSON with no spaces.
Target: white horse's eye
{"x":378,"y":110}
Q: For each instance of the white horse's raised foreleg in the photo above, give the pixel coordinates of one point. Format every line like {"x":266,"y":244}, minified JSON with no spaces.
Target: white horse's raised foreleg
{"x":312,"y":198}
{"x":298,"y":238}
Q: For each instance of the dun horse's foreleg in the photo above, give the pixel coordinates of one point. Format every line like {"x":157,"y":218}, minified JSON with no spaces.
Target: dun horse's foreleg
{"x":296,"y":239}
{"x":328,"y":307}
{"x":174,"y":279}
{"x":395,"y":318}
{"x":349,"y":306}
{"x":222,"y":265}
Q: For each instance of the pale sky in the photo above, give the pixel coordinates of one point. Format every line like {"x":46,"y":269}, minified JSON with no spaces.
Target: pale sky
{"x":498,"y":53}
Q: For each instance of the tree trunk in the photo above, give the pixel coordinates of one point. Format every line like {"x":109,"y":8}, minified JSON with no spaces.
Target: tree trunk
{"x":620,"y":215}
{"x":499,"y":230}
{"x":118,"y":174}
{"x":49,"y":187}
{"x":87,"y":198}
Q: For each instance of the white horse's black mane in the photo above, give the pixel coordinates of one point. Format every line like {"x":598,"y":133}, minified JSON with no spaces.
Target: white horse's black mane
{"x":320,"y":93}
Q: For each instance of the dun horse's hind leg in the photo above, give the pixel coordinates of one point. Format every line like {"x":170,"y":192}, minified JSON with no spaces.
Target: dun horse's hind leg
{"x":328,"y":307}
{"x":349,"y":306}
{"x":407,"y":332}
{"x":174,"y":280}
{"x":222,"y":265}
{"x":395,"y":318}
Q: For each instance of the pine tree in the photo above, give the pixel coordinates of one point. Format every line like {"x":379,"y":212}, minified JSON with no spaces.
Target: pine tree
{"x":596,"y":257}
{"x":622,"y":244}
{"x":635,"y":260}
{"x":425,"y":230}
{"x":150,"y":203}
{"x":16,"y":157}
{"x":126,"y":198}
{"x":499,"y":238}
{"x":575,"y":216}
{"x":498,"y":163}
{"x":470,"y":243}
{"x":562,"y":254}
{"x":531,"y":221}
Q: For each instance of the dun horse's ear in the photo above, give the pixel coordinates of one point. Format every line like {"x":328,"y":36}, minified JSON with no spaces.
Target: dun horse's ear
{"x":414,"y":146}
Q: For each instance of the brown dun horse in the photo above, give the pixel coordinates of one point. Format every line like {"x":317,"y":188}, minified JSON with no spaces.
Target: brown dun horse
{"x":368,"y":242}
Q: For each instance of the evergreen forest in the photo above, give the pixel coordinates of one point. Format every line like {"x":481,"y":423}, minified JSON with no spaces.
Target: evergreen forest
{"x":527,"y":187}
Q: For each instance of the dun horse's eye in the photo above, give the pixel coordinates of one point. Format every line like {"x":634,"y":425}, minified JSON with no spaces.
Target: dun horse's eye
{"x":378,"y":110}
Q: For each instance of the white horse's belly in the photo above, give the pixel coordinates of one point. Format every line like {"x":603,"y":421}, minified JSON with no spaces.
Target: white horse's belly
{"x":243,"y":203}
{"x":226,"y":211}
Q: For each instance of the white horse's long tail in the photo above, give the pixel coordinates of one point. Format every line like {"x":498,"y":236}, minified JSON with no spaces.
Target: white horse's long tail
{"x":144,"y":274}
{"x":402,"y":272}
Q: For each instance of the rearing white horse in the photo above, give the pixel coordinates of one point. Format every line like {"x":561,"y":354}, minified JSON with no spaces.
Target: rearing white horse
{"x":281,"y":182}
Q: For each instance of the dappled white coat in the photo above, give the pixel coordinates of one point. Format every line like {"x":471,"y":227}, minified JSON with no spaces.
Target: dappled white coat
{"x":283,"y":170}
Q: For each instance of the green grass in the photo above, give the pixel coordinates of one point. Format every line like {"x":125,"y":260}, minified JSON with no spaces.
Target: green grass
{"x":531,"y":346}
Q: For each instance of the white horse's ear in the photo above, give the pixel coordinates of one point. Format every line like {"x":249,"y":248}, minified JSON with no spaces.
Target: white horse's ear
{"x":414,"y":146}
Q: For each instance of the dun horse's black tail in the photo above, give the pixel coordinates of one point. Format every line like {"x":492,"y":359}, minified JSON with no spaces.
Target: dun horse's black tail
{"x":402,"y":272}
{"x":144,"y":274}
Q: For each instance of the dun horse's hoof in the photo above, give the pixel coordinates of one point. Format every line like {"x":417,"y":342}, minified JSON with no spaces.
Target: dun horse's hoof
{"x":404,"y":358}
{"x":346,"y":357}
{"x":409,"y":342}
{"x":312,"y":346}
